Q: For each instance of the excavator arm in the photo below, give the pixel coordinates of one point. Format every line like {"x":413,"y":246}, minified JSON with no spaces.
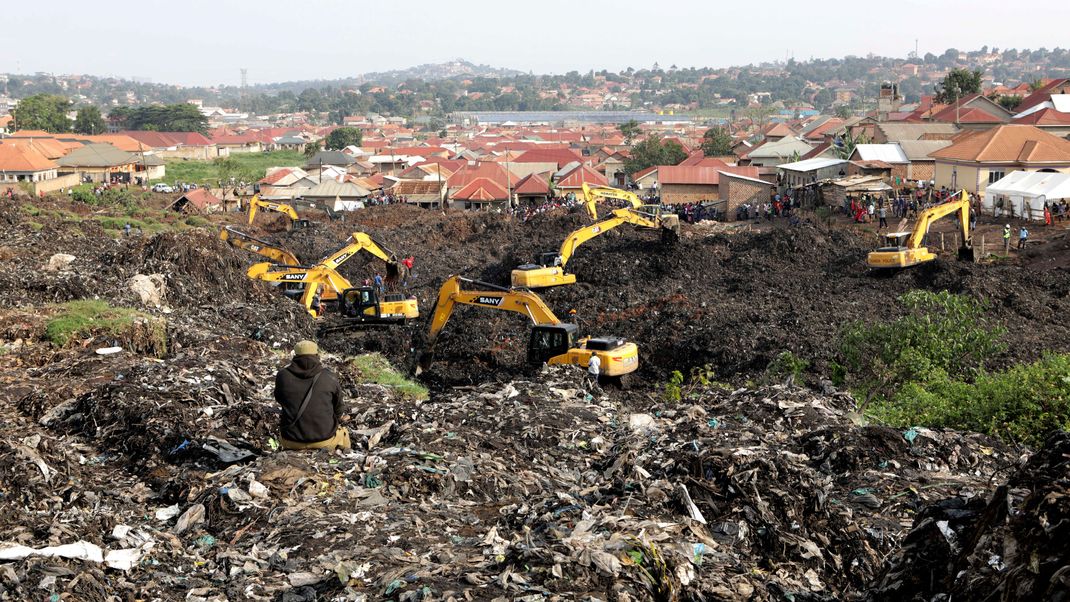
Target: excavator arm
{"x":582,"y":235}
{"x":252,"y":244}
{"x":255,"y":203}
{"x":312,"y":277}
{"x":591,"y":195}
{"x":519,"y":301}
{"x":358,"y":241}
{"x":913,"y":251}
{"x":930,"y":215}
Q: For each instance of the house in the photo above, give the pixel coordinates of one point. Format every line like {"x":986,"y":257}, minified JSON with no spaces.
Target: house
{"x":99,"y":163}
{"x":198,"y":200}
{"x":282,"y":183}
{"x":24,"y":163}
{"x":1023,"y":193}
{"x":890,"y":157}
{"x":976,"y":159}
{"x":646,"y":179}
{"x":480,"y":194}
{"x":237,"y":143}
{"x":898,"y":132}
{"x":424,"y":193}
{"x":329,"y":158}
{"x":533,"y":189}
{"x":809,"y":171}
{"x":686,"y":184}
{"x":921,"y":167}
{"x":737,"y":189}
{"x":771,"y":154}
{"x":1051,"y":113}
{"x":339,"y":196}
{"x":572,"y":179}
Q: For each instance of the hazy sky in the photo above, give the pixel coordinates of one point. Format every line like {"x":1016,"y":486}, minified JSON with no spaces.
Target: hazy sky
{"x":207,"y":42}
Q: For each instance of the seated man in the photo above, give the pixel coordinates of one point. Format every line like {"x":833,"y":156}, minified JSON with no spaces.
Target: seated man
{"x":311,"y":401}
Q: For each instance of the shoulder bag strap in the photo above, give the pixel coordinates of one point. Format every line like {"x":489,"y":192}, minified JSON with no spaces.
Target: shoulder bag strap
{"x":308,"y":397}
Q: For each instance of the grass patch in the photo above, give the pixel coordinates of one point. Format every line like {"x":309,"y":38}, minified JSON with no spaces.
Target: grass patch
{"x":375,"y":369}
{"x":35,"y":226}
{"x":137,"y":330}
{"x":243,"y":166}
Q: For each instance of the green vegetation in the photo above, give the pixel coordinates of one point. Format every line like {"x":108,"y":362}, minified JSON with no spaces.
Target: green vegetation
{"x":717,"y":142}
{"x":89,"y":121}
{"x":343,"y":137}
{"x":958,"y":83}
{"x":87,"y":317}
{"x":179,"y":117}
{"x":630,"y":130}
{"x":654,"y":151}
{"x":927,"y":368}
{"x":248,"y":167}
{"x":375,"y":369}
{"x":680,"y":389}
{"x":786,"y":365}
{"x":35,"y":226}
{"x":46,"y":112}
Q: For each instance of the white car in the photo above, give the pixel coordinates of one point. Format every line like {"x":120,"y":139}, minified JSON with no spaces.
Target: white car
{"x":161,"y":187}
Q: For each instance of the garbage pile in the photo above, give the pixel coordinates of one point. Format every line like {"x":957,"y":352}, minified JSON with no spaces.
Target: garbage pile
{"x":734,"y":300}
{"x":1013,"y":545}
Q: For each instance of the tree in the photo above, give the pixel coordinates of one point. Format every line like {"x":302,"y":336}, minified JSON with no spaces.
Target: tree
{"x":343,"y":137}
{"x":654,"y":151}
{"x":843,"y":112}
{"x":89,"y":121}
{"x":717,"y":142}
{"x":1009,"y":101}
{"x":958,"y":83}
{"x":311,"y":148}
{"x":180,"y":117}
{"x":630,"y":130}
{"x":46,"y":112}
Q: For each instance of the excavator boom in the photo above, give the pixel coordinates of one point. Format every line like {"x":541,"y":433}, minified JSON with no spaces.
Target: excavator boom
{"x":591,"y":195}
{"x":255,"y":203}
{"x":912,"y":251}
{"x":552,"y":273}
{"x":552,"y":341}
{"x":241,"y":240}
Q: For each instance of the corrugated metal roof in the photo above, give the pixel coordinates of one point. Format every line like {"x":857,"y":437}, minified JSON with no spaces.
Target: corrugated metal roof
{"x":812,"y":164}
{"x":331,"y":189}
{"x":889,"y":153}
{"x":918,"y":150}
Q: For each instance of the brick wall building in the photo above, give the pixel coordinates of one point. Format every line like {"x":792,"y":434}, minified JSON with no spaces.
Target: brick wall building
{"x":738,"y":189}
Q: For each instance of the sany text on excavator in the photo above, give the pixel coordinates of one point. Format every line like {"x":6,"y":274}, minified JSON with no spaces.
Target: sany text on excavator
{"x":552,"y":342}
{"x":591,"y":195}
{"x":908,"y":250}
{"x":549,"y":269}
{"x":357,"y":303}
{"x":241,"y":240}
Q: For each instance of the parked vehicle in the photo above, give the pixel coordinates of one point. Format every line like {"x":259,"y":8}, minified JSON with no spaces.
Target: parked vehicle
{"x":161,"y":187}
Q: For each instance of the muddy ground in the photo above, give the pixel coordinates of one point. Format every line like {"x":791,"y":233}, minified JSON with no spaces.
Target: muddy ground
{"x":505,"y":484}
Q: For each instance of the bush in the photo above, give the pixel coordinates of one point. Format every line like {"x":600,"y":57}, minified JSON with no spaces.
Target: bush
{"x":942,"y":333}
{"x":785,"y":366}
{"x":1022,"y":404}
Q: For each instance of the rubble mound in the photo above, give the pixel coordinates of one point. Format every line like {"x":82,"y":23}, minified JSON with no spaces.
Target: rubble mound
{"x":1014,"y":547}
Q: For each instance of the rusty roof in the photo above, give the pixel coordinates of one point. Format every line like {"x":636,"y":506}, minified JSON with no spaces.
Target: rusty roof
{"x":1008,"y":144}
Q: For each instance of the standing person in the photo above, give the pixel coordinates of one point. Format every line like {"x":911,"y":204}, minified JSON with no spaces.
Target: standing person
{"x":1023,"y":236}
{"x":379,"y":283}
{"x":311,"y":401}
{"x":594,"y":368}
{"x":883,"y":217}
{"x":973,"y":220}
{"x":1007,"y":239}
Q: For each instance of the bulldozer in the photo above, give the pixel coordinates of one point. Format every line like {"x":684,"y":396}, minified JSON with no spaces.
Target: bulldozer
{"x":907,"y":249}
{"x":551,"y":342}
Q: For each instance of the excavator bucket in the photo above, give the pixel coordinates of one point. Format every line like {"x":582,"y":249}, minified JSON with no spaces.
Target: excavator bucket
{"x":394,"y":271}
{"x":968,"y":253}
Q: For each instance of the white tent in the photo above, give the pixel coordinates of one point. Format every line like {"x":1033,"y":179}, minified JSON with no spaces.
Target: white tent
{"x":1023,"y":193}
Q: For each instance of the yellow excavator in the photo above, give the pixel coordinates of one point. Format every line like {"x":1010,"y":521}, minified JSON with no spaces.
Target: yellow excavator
{"x":907,"y":249}
{"x":296,"y":222}
{"x":241,"y":240}
{"x":549,"y":269}
{"x":551,"y":342}
{"x":357,"y":303}
{"x":591,"y":195}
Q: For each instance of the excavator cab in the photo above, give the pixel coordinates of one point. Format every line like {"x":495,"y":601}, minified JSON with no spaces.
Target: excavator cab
{"x":357,"y":301}
{"x":301,"y":224}
{"x":551,"y":340}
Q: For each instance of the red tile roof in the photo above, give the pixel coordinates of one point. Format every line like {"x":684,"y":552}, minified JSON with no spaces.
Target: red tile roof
{"x":275,"y":176}
{"x":533,"y":185}
{"x":581,"y":174}
{"x":559,"y":156}
{"x":482,"y":189}
{"x":486,"y":169}
{"x":24,"y":157}
{"x":151,"y":139}
{"x":1044,"y":117}
{"x":1043,"y":94}
{"x":1008,"y":144}
{"x":200,"y":198}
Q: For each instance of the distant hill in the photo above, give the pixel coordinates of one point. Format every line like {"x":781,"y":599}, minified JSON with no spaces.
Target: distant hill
{"x":437,"y":71}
